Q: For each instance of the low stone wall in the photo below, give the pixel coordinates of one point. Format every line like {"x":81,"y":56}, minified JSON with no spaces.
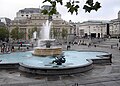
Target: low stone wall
{"x":104,"y":59}
{"x":9,"y":65}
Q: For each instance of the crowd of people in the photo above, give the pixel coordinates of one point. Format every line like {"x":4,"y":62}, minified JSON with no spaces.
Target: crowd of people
{"x":93,"y":43}
{"x":5,"y":48}
{"x":8,"y":48}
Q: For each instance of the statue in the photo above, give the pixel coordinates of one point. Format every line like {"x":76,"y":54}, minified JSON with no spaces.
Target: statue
{"x":48,"y":44}
{"x":35,"y":35}
{"x":59,"y":59}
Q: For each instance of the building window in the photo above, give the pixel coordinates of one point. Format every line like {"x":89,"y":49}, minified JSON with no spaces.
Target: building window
{"x":94,"y":29}
{"x":82,"y":32}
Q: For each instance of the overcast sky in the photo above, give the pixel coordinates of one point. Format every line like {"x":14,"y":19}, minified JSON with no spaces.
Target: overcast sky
{"x":109,"y":10}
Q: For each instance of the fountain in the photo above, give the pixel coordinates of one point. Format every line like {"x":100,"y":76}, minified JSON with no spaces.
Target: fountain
{"x":34,"y":35}
{"x":45,"y":47}
{"x":47,"y":59}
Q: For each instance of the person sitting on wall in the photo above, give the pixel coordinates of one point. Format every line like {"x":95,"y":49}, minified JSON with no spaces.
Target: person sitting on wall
{"x":20,"y":44}
{"x":19,"y":47}
{"x":3,"y":50}
{"x":89,"y":44}
{"x":12,"y":49}
{"x":8,"y":51}
{"x":27,"y":47}
{"x":79,"y":42}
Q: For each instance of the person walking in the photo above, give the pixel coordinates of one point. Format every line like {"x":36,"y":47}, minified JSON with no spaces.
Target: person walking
{"x":68,"y":46}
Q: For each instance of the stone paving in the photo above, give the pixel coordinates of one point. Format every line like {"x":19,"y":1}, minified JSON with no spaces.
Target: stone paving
{"x":100,"y":75}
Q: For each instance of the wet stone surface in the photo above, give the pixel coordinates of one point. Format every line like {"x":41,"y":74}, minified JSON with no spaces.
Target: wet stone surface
{"x":115,"y":69}
{"x":53,"y":78}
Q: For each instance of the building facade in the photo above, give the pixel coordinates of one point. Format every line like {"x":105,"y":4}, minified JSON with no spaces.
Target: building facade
{"x":2,"y":24}
{"x":5,"y":21}
{"x":115,"y":27}
{"x":26,"y":13}
{"x":30,"y":18}
{"x":94,"y":29}
{"x":76,"y":27}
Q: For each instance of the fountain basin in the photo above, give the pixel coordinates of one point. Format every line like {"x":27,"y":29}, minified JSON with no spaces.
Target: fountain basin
{"x":43,"y":51}
{"x":76,"y":62}
{"x":57,"y":70}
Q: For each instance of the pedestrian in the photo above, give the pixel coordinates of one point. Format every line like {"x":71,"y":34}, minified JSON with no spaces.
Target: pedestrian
{"x":79,"y":42}
{"x":89,"y":44}
{"x":117,"y":44}
{"x":109,"y":37}
{"x":32,"y":45}
{"x":68,"y":46}
{"x":94,"y":45}
{"x":21,"y":44}
{"x":111,"y":46}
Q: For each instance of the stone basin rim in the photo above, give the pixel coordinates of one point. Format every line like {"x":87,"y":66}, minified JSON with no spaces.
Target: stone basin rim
{"x":58,"y":68}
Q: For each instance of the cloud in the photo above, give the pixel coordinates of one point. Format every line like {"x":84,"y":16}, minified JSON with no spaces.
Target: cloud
{"x":10,"y":7}
{"x":108,"y":11}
